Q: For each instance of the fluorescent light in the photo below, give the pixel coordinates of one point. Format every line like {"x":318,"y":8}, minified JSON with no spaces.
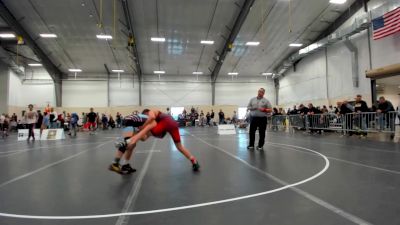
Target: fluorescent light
{"x":104,"y":36}
{"x":159,"y":72}
{"x":118,"y":71}
{"x":267,"y":74}
{"x":7,"y":35}
{"x":34,"y":64}
{"x":337,"y":1}
{"x":233,"y":73}
{"x":206,"y":42}
{"x":48,"y":35}
{"x":252,"y":43}
{"x":158,"y":39}
{"x":75,"y":70}
{"x":296,"y":45}
{"x":197,"y":73}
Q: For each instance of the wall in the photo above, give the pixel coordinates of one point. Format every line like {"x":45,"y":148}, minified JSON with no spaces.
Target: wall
{"x":326,"y":76}
{"x":22,"y":93}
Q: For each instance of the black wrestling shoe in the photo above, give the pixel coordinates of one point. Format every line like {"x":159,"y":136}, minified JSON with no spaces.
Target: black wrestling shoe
{"x":127,"y":169}
{"x":195,"y":165}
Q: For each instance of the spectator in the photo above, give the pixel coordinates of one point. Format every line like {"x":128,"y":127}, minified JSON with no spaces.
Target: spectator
{"x":111,"y":122}
{"x":361,"y":106}
{"x":46,"y":122}
{"x":104,"y":121}
{"x":221,"y":116}
{"x":31,"y":118}
{"x":234,"y":117}
{"x":2,"y":120}
{"x":119,"y":120}
{"x":208,"y":117}
{"x":14,"y":117}
{"x":168,"y":111}
{"x":40,"y":120}
{"x":201,"y":119}
{"x":193,"y":116}
{"x":212,"y":115}
{"x":73,"y":124}
{"x":53,"y":118}
{"x":91,"y":120}
{"x":384,"y":107}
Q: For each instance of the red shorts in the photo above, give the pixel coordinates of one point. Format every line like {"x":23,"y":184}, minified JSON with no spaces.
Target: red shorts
{"x":167,"y":125}
{"x":91,"y":124}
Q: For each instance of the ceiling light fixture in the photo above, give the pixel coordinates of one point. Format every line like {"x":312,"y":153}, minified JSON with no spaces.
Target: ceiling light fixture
{"x":233,"y":74}
{"x":48,"y":35}
{"x":118,"y":71}
{"x":34,"y":64}
{"x":104,"y":36}
{"x":252,"y":43}
{"x":158,"y":39}
{"x":159,"y":72}
{"x":296,"y":45}
{"x":206,"y":42}
{"x":267,"y":74}
{"x":7,"y":35}
{"x":197,"y":73}
{"x":337,"y":1}
{"x":75,"y":70}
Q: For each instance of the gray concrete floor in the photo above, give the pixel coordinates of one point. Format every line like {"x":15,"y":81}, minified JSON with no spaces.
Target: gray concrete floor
{"x":70,"y":178}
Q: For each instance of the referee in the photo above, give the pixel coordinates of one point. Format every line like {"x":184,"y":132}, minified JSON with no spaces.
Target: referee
{"x":259,"y":108}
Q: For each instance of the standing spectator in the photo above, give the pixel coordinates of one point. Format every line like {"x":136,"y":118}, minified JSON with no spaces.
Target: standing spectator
{"x":234,"y":118}
{"x":346,"y":112}
{"x":14,"y":117}
{"x":40,"y":119}
{"x":111,"y":122}
{"x":91,"y":120}
{"x":212,"y":117}
{"x":6,"y":125}
{"x":221,"y":116}
{"x":104,"y":121}
{"x":361,"y":106}
{"x":31,"y":118}
{"x":53,"y":118}
{"x":119,"y":120}
{"x":201,"y":119}
{"x":193,"y":116}
{"x":60,"y":121}
{"x":168,"y":111}
{"x":208,"y":117}
{"x":46,"y":122}
{"x":73,"y":123}
{"x":384,"y":107}
{"x":259,"y":108}
{"x":84,"y":119}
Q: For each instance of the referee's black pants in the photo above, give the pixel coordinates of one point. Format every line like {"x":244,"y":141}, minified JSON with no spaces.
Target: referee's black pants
{"x":261,"y":124}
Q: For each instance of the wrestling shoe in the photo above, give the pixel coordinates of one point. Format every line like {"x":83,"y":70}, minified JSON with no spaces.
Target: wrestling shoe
{"x":127,"y":169}
{"x":115,"y":167}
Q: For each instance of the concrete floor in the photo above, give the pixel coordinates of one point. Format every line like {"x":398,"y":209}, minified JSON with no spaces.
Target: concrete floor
{"x":70,"y":178}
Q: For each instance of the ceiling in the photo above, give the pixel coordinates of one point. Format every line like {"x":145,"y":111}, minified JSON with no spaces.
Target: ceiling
{"x":182,"y":22}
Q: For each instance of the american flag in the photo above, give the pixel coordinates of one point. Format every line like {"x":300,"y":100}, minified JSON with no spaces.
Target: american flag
{"x":387,"y":24}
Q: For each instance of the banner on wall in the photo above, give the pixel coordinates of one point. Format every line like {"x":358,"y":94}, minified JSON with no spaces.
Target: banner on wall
{"x":226,"y":129}
{"x":49,"y":134}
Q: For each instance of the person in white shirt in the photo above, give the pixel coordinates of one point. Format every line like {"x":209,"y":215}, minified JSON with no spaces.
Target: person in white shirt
{"x":31,"y":117}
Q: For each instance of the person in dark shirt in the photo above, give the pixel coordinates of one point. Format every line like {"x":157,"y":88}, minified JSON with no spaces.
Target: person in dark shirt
{"x":313,"y":117}
{"x":346,"y":113}
{"x":384,"y":109}
{"x":91,"y":120}
{"x":361,"y":106}
{"x":40,"y":120}
{"x":221,"y":117}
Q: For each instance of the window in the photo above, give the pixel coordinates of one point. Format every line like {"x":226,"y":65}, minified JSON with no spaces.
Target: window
{"x":175,"y":111}
{"x":242,"y":112}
